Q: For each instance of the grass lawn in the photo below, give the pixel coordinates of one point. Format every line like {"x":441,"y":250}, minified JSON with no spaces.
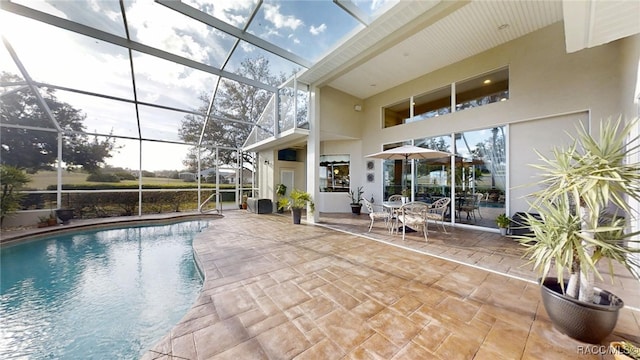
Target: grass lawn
{"x":42,"y":179}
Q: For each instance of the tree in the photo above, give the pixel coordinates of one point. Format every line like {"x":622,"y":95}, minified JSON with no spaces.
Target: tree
{"x":35,"y":150}
{"x":13,"y":179}
{"x":234,"y":101}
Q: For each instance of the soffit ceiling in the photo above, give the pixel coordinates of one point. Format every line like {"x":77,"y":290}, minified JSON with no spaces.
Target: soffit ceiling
{"x":412,"y":39}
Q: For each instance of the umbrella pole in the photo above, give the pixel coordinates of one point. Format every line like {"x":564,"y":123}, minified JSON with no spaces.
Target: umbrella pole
{"x":404,"y":174}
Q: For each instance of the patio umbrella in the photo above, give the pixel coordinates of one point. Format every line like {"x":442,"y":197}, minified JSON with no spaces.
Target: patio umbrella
{"x":406,"y":152}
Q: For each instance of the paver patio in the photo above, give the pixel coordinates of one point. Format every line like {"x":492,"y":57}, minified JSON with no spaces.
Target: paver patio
{"x":274,"y":290}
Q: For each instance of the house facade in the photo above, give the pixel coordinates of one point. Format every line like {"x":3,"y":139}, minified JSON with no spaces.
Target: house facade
{"x":549,"y":93}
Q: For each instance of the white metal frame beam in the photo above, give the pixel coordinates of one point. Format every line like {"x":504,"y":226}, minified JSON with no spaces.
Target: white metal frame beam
{"x":120,"y":41}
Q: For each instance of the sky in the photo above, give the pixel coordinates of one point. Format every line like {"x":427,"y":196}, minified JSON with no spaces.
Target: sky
{"x":62,"y":58}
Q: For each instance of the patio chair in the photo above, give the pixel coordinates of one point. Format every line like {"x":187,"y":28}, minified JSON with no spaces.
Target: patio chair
{"x":377,"y":215}
{"x":414,"y":215}
{"x":394,"y":198}
{"x":438,"y":211}
{"x":472,"y":205}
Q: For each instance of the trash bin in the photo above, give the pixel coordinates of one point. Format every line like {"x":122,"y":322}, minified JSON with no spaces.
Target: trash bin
{"x":259,"y":206}
{"x":518,"y":225}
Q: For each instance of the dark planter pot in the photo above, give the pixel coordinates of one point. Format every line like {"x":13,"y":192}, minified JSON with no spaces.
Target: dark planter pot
{"x":586,"y":322}
{"x":296,"y":214}
{"x":355,"y":208}
{"x":64,"y":215}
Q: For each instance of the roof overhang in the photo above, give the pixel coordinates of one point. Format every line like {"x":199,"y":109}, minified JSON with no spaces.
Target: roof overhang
{"x":283,"y":139}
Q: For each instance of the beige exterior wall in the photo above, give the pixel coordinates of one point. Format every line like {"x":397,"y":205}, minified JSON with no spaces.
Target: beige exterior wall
{"x":630,"y":68}
{"x":545,"y":82}
{"x":339,"y":119}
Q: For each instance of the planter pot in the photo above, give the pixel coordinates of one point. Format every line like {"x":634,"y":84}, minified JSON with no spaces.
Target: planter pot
{"x":296,"y":214}
{"x":355,"y":208}
{"x":503,"y":231}
{"x":586,"y":322}
{"x":64,"y":215}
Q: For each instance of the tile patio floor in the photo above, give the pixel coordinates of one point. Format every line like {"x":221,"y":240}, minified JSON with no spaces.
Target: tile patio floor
{"x":274,"y":290}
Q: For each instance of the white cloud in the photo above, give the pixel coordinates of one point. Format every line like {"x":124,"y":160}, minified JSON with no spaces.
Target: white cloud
{"x":272,"y":14}
{"x":318,"y":30}
{"x":294,"y":39}
{"x":234,"y":12}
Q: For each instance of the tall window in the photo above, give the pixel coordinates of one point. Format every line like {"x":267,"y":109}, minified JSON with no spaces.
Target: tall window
{"x":433,"y":177}
{"x":334,"y":173}
{"x":480,"y":168}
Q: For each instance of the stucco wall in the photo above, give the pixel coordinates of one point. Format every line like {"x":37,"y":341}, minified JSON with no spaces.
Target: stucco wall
{"x":630,"y":59}
{"x":339,"y":118}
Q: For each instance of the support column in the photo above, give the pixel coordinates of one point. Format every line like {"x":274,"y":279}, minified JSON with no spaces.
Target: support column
{"x":313,"y":152}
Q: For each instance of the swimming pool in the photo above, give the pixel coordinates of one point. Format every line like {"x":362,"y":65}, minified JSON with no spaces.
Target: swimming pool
{"x":104,"y":294}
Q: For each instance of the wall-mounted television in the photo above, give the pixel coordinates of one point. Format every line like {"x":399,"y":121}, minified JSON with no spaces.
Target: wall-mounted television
{"x":287,"y":155}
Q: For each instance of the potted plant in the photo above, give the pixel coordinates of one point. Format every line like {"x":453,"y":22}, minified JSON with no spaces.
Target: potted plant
{"x":582,"y":217}
{"x":65,"y":215}
{"x":281,"y":191}
{"x":244,"y":201}
{"x":51,"y":221}
{"x":296,"y":201}
{"x":43,"y":221}
{"x":503,"y":222}
{"x":356,"y":200}
{"x":405,"y":195}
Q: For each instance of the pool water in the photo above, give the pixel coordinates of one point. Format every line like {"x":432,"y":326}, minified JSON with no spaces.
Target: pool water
{"x":106,"y":294}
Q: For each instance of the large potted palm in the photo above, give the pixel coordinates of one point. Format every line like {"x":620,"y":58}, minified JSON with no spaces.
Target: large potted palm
{"x":296,"y":202}
{"x":583,"y":217}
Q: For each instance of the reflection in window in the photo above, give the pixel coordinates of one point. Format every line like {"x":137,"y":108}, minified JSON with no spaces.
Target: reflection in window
{"x":334,"y":173}
{"x":482,"y":90}
{"x":433,"y":176}
{"x":396,"y":114}
{"x":478,"y":91}
{"x":432,"y":104}
{"x":395,"y":173}
{"x":481,"y":169}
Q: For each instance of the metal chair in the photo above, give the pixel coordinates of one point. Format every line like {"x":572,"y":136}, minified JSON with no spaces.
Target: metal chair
{"x":438,"y":211}
{"x":414,"y":215}
{"x":376,"y":215}
{"x":472,"y":205}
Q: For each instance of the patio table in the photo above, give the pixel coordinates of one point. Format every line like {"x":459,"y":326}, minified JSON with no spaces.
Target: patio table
{"x":393,"y":207}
